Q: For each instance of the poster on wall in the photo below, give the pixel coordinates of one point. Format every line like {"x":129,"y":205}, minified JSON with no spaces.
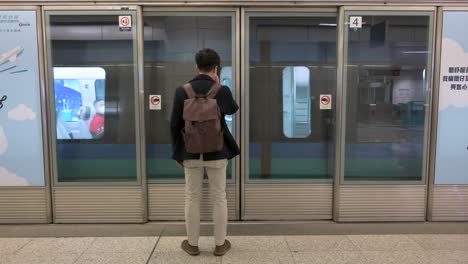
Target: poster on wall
{"x":452,"y":135}
{"x":21,"y":149}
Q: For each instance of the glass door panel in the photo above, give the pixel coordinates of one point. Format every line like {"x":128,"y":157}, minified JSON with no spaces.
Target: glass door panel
{"x":387,"y":73}
{"x":291,"y":62}
{"x":93,"y":86}
{"x":171,"y":41}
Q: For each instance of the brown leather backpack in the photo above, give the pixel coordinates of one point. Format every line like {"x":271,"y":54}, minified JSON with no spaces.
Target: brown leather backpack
{"x":203,"y":132}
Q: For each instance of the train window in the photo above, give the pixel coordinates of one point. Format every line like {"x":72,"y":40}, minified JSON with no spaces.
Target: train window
{"x":387,"y":85}
{"x":296,"y":102}
{"x":80,"y":102}
{"x":93,"y":68}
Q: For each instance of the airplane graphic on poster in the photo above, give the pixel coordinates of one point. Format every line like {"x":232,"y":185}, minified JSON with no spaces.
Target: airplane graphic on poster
{"x":11,"y":56}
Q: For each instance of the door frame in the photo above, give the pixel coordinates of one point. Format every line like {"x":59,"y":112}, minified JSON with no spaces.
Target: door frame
{"x":202,"y":12}
{"x":74,"y":10}
{"x":284,"y":184}
{"x":339,"y":183}
{"x":138,"y":187}
{"x":237,"y":92}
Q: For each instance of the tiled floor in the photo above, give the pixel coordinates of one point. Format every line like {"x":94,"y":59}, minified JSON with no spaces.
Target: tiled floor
{"x":308,"y":249}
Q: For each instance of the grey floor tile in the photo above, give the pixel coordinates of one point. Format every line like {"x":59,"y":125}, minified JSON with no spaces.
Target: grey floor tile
{"x":447,"y":256}
{"x":122,"y":244}
{"x":60,"y":258}
{"x":320,"y":243}
{"x":329,"y":257}
{"x":11,"y":245}
{"x":395,"y":257}
{"x":113,"y":258}
{"x":261,"y":257}
{"x":168,"y":244}
{"x":441,"y":242}
{"x":4,"y":257}
{"x":259,"y":243}
{"x":180,"y":257}
{"x":52,"y":246}
{"x":384,"y":242}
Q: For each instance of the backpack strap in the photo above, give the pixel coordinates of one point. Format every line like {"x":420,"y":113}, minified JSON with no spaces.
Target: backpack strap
{"x":213,"y":90}
{"x":189,"y":90}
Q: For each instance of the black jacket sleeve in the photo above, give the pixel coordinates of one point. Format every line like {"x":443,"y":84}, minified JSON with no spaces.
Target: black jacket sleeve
{"x":226,"y":102}
{"x":177,"y":120}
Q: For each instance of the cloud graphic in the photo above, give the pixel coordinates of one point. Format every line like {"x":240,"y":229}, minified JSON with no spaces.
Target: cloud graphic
{"x":453,"y":55}
{"x":9,"y":179}
{"x":3,"y":141}
{"x":21,"y":113}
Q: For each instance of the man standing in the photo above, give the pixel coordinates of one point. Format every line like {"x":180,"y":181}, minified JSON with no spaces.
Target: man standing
{"x":215,"y":162}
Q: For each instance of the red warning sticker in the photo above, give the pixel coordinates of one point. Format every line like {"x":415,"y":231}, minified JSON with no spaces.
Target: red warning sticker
{"x":325,"y":101}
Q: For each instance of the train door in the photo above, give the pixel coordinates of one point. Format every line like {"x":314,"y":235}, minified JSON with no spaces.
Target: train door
{"x":171,"y":39}
{"x":386,"y":92}
{"x":94,"y":118}
{"x":289,"y":83}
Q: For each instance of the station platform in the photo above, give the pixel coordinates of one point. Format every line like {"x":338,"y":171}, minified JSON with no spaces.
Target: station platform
{"x":253,"y":242}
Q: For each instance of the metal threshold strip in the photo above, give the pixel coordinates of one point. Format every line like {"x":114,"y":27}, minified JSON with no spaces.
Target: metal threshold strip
{"x":251,"y":228}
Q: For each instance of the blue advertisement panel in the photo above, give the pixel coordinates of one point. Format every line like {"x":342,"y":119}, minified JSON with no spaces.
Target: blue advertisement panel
{"x":21,"y":149}
{"x":452,"y":135}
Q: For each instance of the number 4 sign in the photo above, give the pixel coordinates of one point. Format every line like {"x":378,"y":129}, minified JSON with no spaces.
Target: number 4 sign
{"x":355,"y":22}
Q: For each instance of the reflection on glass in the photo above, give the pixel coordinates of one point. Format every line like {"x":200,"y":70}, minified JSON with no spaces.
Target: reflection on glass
{"x":226,"y":79}
{"x":171,"y":42}
{"x":93,"y":68}
{"x":292,"y":61}
{"x":386,"y":89}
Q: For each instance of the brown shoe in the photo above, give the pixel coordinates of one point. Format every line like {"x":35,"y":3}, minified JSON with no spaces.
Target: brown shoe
{"x":221,"y":250}
{"x":191,"y":250}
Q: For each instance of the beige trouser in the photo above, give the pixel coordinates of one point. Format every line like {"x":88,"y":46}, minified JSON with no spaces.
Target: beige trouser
{"x":194,"y":171}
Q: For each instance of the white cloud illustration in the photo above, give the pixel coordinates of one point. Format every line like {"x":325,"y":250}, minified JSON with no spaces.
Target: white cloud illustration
{"x":453,"y":55}
{"x":3,"y":141}
{"x":10,"y":179}
{"x":21,"y":113}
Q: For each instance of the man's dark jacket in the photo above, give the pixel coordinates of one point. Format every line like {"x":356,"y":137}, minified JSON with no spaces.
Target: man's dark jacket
{"x":201,"y":85}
